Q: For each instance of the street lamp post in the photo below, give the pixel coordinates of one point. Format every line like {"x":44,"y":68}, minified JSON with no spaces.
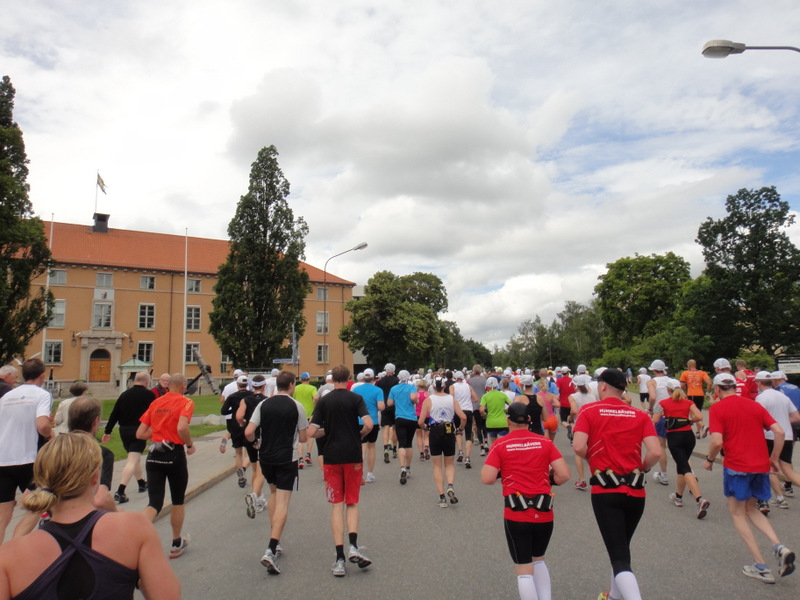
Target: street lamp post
{"x":325,"y":320}
{"x":723,"y":48}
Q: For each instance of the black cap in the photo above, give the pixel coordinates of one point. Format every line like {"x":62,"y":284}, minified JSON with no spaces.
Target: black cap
{"x":518,"y":413}
{"x":615,"y":378}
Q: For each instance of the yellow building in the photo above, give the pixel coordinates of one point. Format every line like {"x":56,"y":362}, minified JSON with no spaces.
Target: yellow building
{"x":121,"y":295}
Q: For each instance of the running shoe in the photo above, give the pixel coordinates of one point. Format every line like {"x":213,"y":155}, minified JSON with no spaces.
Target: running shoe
{"x":142,"y":486}
{"x":787,"y":489}
{"x":780,"y":502}
{"x":386,"y":455}
{"x":338,"y":568}
{"x":403,"y":476}
{"x":753,"y":571}
{"x":270,"y":561}
{"x":223,"y":445}
{"x":451,"y":494}
{"x":427,"y":453}
{"x":604,"y":595}
{"x":581,"y":485}
{"x":422,"y":456}
{"x":442,"y":502}
{"x":355,"y":555}
{"x":394,"y":452}
{"x":250,"y":501}
{"x":705,"y":432}
{"x":278,"y":550}
{"x":569,"y":432}
{"x":483,"y":451}
{"x":763,"y":507}
{"x":309,"y":462}
{"x":242,"y":479}
{"x":176,"y":551}
{"x":120,"y":498}
{"x":675,"y":500}
{"x":467,"y":464}
{"x":460,"y":457}
{"x":300,"y":464}
{"x":702,"y":508}
{"x":370,"y":478}
{"x":785,"y":560}
{"x":261,"y":504}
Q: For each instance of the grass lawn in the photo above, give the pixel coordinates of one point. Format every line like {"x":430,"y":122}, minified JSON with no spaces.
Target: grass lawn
{"x":115,"y":444}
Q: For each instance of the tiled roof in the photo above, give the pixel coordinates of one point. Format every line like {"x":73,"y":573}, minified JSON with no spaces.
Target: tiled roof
{"x":78,"y":244}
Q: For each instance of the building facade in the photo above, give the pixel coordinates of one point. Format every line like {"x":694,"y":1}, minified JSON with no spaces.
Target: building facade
{"x":123,"y":295}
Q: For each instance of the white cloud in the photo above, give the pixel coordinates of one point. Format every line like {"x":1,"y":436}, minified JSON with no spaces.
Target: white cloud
{"x":513,"y":150}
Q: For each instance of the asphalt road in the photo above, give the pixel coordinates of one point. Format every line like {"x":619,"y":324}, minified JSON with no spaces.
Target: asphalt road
{"x":421,"y":551}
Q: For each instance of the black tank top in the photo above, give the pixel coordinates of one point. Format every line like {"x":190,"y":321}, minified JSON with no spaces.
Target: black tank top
{"x":107,"y":579}
{"x":535,"y":413}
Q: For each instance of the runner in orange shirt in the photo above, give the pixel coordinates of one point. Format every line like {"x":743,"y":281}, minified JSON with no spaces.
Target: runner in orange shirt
{"x":695,"y":383}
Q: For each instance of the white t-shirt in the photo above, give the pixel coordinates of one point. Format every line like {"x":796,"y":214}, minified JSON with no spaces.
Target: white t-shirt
{"x":230,"y":389}
{"x":462,"y":391}
{"x":19,"y":410}
{"x":643,"y":379}
{"x":780,"y":407}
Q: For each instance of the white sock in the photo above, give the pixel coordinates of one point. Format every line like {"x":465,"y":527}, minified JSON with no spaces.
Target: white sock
{"x":541,"y":578}
{"x":526,"y":587}
{"x":627,"y":584}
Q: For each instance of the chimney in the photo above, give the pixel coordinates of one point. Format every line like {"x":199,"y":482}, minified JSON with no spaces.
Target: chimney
{"x":100,"y":223}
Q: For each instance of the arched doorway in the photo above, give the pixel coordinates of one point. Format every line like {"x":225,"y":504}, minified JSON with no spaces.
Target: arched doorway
{"x":100,"y":366}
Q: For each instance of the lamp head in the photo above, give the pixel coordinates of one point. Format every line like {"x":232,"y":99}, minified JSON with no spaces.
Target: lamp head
{"x":722,"y":48}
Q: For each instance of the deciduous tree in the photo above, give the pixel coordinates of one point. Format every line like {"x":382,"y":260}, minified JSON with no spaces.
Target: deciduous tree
{"x":24,"y":254}
{"x":751,"y":296}
{"x":261,"y":289}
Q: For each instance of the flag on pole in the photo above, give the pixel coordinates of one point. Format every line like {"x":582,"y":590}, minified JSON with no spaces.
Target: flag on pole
{"x":100,"y":183}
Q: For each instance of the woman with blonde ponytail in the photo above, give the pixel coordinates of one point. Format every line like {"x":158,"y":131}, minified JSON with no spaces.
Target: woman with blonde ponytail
{"x":81,"y":552}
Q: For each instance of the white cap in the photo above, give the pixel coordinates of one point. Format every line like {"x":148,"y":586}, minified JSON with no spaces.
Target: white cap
{"x":458,"y":375}
{"x":582,"y":379}
{"x":275,"y":372}
{"x":237,"y":372}
{"x":763,"y":376}
{"x":724,"y":379}
{"x":673,"y":384}
{"x":360,"y":377}
{"x":722,"y":363}
{"x":581,"y":369}
{"x":328,"y":378}
{"x":491,"y":382}
{"x":778,"y":375}
{"x":598,"y":371}
{"x":369,"y":373}
{"x":389,"y":368}
{"x":658,"y":365}
{"x":241,"y":379}
{"x":643,"y":370}
{"x":403,"y":375}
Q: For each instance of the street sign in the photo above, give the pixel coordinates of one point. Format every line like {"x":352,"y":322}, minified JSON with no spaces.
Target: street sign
{"x":278,"y":361}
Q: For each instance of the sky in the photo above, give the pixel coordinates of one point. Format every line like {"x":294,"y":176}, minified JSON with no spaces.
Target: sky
{"x":512,"y":148}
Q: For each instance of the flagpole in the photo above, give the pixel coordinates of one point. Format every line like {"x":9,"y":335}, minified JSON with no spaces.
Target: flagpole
{"x":47,"y":285}
{"x":185,"y":296}
{"x":95,"y":191}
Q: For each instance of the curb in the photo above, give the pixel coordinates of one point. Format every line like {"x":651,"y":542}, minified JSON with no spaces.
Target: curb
{"x":198,"y":489}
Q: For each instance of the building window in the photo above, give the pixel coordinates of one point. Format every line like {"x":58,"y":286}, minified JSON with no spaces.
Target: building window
{"x":322,"y":294}
{"x":322,"y":353}
{"x":322,"y":322}
{"x":192,"y":318}
{"x":105,"y":280}
{"x":52,"y":352}
{"x":193,"y":286}
{"x":188,"y":355}
{"x":225,"y":362}
{"x":101,"y":316}
{"x":58,"y":277}
{"x":147,"y":316}
{"x":148,"y":282}
{"x":144,"y":352}
{"x":59,"y":314}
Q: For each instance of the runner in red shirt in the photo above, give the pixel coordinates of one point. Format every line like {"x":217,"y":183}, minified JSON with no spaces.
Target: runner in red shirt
{"x":565,"y":389}
{"x":737,"y":426}
{"x":522,"y":461}
{"x":610,"y":434}
{"x":747,"y":380}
